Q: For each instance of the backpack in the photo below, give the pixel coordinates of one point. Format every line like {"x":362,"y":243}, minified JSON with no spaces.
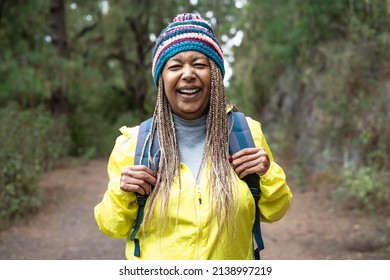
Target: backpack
{"x":240,"y":138}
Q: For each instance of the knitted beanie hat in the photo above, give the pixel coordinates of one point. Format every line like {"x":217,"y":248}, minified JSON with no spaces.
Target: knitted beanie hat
{"x":187,"y":32}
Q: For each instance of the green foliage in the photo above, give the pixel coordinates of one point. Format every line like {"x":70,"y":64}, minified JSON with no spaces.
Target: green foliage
{"x":364,"y":188}
{"x":299,"y":176}
{"x":32,"y":142}
{"x":24,"y":84}
{"x":356,"y":100}
{"x":91,"y":137}
{"x":283,"y":34}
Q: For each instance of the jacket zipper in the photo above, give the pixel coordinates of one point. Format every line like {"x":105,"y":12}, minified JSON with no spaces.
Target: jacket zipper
{"x":200,"y":231}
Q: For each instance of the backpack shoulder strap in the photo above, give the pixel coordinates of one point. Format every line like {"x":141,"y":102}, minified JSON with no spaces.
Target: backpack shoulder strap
{"x":141,"y":157}
{"x":241,"y":138}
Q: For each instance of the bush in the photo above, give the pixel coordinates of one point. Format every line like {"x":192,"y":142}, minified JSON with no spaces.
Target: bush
{"x":364,"y":188}
{"x":32,"y":142}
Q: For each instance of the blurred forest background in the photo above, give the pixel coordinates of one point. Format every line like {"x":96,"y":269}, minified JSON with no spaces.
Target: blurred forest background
{"x":315,"y":73}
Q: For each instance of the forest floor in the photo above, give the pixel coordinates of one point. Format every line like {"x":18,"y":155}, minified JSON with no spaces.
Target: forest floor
{"x":315,"y":228}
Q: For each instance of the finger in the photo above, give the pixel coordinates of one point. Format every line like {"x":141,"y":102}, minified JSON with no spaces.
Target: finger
{"x":260,"y":170}
{"x":137,"y":179}
{"x":244,"y":157}
{"x":263,"y":166}
{"x":257,"y":163}
{"x":144,"y":192}
{"x":135,"y":188}
{"x":246,"y":172}
{"x":262,"y":153}
{"x":131,"y":169}
{"x":146,"y":186}
{"x":140,"y":173}
{"x":245,"y":152}
{"x":247,"y":168}
{"x":140,"y":168}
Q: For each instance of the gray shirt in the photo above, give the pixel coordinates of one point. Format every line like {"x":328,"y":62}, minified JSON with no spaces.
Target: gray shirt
{"x":191,"y":138}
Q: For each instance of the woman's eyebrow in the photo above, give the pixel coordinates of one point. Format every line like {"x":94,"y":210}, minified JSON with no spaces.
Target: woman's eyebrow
{"x":197,"y":58}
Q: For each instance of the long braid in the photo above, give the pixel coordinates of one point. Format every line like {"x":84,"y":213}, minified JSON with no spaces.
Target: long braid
{"x":169,"y":165}
{"x":222,"y":183}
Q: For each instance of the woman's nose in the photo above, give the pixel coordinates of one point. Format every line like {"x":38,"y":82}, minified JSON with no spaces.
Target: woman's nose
{"x":188,"y":73}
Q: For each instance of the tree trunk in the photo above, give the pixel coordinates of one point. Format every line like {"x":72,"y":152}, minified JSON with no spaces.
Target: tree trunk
{"x":57,"y":27}
{"x":139,"y":27}
{"x":58,"y":103}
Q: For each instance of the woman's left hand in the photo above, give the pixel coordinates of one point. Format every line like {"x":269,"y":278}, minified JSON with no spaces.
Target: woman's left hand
{"x":249,"y":161}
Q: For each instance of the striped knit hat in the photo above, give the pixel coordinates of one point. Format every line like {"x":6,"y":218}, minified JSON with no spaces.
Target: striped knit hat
{"x":187,"y":32}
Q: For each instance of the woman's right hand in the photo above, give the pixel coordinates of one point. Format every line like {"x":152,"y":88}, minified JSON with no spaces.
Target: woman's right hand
{"x":138,"y":179}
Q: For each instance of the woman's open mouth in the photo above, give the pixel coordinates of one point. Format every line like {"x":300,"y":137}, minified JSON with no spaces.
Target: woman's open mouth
{"x":188,"y":91}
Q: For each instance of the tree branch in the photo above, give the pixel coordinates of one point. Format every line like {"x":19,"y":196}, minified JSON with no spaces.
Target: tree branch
{"x":85,"y":30}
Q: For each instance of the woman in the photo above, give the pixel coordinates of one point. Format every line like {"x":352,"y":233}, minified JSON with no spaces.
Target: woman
{"x":198,"y":206}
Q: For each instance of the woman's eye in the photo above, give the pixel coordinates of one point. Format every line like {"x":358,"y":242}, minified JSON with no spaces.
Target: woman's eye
{"x":200,"y":65}
{"x":174,"y":67}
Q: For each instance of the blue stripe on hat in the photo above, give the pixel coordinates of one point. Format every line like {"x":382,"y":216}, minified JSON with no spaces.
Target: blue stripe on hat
{"x":187,"y":46}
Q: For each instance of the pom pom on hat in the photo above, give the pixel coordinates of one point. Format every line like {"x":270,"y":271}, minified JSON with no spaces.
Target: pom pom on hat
{"x":187,"y":32}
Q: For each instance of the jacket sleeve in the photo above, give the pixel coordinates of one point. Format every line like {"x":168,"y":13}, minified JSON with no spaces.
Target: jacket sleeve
{"x":116,"y":213}
{"x":275,"y":194}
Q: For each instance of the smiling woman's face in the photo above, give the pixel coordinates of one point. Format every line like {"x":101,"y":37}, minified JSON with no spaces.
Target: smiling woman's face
{"x":187,"y":84}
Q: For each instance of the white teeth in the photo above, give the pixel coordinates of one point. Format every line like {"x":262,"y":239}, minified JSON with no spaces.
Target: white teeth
{"x":188,"y":91}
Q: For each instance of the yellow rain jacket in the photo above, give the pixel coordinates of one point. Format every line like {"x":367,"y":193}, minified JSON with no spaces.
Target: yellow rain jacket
{"x":191,"y":231}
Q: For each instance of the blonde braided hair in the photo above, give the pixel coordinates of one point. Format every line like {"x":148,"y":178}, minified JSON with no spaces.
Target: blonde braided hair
{"x":221,"y":176}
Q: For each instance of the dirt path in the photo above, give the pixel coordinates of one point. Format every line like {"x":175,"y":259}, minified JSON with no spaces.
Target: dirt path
{"x":64,"y":228}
